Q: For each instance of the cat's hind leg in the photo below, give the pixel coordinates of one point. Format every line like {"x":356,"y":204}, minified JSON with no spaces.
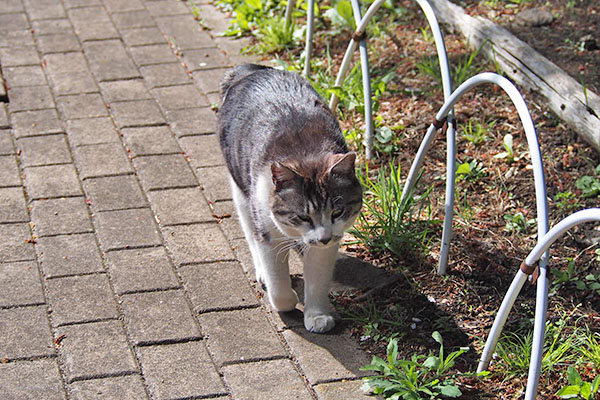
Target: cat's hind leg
{"x":318,"y":272}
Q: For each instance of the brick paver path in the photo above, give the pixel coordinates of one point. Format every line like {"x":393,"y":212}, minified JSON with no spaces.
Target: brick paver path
{"x":121,"y":275}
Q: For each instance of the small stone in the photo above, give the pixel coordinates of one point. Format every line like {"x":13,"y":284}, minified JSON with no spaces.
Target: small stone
{"x":534,"y":17}
{"x":588,"y":42}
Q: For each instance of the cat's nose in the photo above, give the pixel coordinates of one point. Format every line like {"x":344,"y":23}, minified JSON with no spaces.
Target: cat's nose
{"x":325,"y":240}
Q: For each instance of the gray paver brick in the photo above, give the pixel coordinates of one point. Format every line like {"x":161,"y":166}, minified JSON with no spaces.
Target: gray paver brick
{"x":25,"y":332}
{"x":159,"y":75}
{"x":101,"y":160}
{"x":159,"y":317}
{"x":114,"y":193}
{"x":38,"y":379}
{"x":180,"y":206}
{"x":203,"y":150}
{"x":15,"y":21}
{"x":52,"y":181}
{"x":217,"y":286}
{"x":154,"y":54}
{"x":30,"y":98}
{"x":51,"y":26}
{"x":69,"y":255}
{"x":151,"y":141}
{"x":202,"y":59}
{"x":141,"y":269}
{"x":164,"y":8}
{"x":120,"y":6}
{"x":264,"y":380}
{"x":39,"y":122}
{"x":180,"y":371}
{"x":133,"y":19}
{"x":44,"y":9}
{"x":86,"y":105}
{"x":60,"y":216}
{"x":109,"y":60}
{"x":72,"y":83}
{"x":6,"y":143}
{"x":197,"y":243}
{"x":164,"y":171}
{"x":212,"y":17}
{"x":9,"y":172}
{"x":80,"y":3}
{"x":16,"y":243}
{"x":131,"y":89}
{"x":88,"y":14}
{"x":92,"y":23}
{"x":127,"y":228}
{"x":12,"y":205}
{"x":20,"y":284}
{"x":248,"y":329}
{"x":12,"y":6}
{"x":95,"y":349}
{"x":15,"y":56}
{"x":137,"y":113}
{"x":58,"y":43}
{"x":213,"y":180}
{"x":185,"y":32}
{"x":4,"y":122}
{"x":66,"y":63}
{"x":114,"y":388}
{"x":80,"y":299}
{"x":44,"y":150}
{"x":192,"y":121}
{"x":142,"y":36}
{"x":178,"y":97}
{"x":29,"y":75}
{"x":208,"y":79}
{"x":345,"y":390}
{"x":92,"y":131}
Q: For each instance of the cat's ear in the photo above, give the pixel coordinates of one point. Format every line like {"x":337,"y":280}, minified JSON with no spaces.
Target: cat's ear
{"x":343,"y":164}
{"x":282,"y":175}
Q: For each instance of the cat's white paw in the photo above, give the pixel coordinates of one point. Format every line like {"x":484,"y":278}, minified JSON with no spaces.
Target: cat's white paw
{"x":284,"y":300}
{"x":318,"y":323}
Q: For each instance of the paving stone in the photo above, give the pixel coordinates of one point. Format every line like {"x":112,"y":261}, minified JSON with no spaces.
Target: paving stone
{"x":69,"y":255}
{"x":13,"y":22}
{"x":20,"y":284}
{"x":133,"y":19}
{"x":119,"y":6}
{"x":249,"y":329}
{"x":44,"y":9}
{"x":69,"y":73}
{"x":80,"y":3}
{"x":137,"y":113}
{"x":58,"y":43}
{"x":9,"y":172}
{"x":208,"y":79}
{"x":213,"y":19}
{"x":142,"y":36}
{"x":60,"y":216}
{"x":44,"y":150}
{"x":92,"y":131}
{"x":345,"y":390}
{"x":230,"y":226}
{"x":154,"y":54}
{"x":157,"y":317}
{"x":12,"y":205}
{"x":235,"y":49}
{"x":39,"y":379}
{"x":52,"y":181}
{"x":264,"y":380}
{"x":160,"y":75}
{"x":109,"y":60}
{"x":114,"y":193}
{"x":39,"y":122}
{"x":86,"y":105}
{"x":182,"y":370}
{"x":16,"y":243}
{"x":131,"y":89}
{"x":113,"y":388}
{"x":51,"y":26}
{"x":178,"y":97}
{"x":151,"y":141}
{"x":217,"y":286}
{"x":180,"y":206}
{"x":102,"y":160}
{"x":202,"y":59}
{"x":213,"y":181}
{"x":12,"y":6}
{"x":141,"y":269}
{"x":16,"y":56}
{"x":203,"y":150}
{"x":326,"y":358}
{"x":192,"y":121}
{"x":25,"y":333}
{"x":79,"y":299}
{"x":4,"y":122}
{"x":197,"y":243}
{"x":6,"y":143}
{"x":164,"y":171}
{"x":95,"y":349}
{"x":127,"y":228}
{"x":185,"y":32}
{"x":28,"y":75}
{"x":164,"y":8}
{"x":30,"y":98}
{"x":92,"y":23}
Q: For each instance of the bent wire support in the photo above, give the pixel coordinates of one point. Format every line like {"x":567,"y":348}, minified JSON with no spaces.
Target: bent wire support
{"x":528,"y":266}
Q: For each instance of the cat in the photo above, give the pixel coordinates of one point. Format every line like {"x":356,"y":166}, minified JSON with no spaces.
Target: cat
{"x":293,"y":182}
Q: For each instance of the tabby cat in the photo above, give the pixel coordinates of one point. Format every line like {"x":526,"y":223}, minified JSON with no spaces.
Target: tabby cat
{"x":292,"y":179}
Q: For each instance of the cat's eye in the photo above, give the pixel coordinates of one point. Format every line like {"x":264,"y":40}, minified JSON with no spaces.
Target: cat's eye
{"x":336,"y":213}
{"x":302,"y":218}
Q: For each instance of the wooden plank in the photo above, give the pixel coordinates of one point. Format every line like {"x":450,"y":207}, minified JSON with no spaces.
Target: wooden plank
{"x":528,"y":69}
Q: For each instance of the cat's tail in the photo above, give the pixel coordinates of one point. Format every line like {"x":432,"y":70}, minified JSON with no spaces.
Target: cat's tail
{"x":235,"y":74}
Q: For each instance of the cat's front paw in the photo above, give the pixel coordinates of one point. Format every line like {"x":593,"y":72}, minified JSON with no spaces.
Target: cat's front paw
{"x":284,"y":301}
{"x":318,"y":323}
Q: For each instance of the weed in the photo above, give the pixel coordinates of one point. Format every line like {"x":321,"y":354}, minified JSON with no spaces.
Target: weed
{"x":589,"y":185}
{"x":517,"y":222}
{"x":470,"y":171}
{"x":578,"y":388}
{"x":275,"y":34}
{"x":476,"y":134}
{"x":589,"y":349}
{"x":509,"y":152}
{"x":421,"y":377}
{"x":566,"y":200}
{"x":341,"y":15}
{"x":378,"y":323}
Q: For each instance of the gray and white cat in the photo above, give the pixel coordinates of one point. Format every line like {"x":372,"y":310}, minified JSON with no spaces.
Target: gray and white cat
{"x":292,"y":179}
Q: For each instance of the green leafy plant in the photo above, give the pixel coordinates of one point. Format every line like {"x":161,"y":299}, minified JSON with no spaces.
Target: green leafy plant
{"x":470,"y":171}
{"x":341,"y":15}
{"x":589,"y":185}
{"x":461,"y":69}
{"x":378,"y":323}
{"x":566,"y":200}
{"x":517,"y":222}
{"x":508,"y":152}
{"x":578,"y":388}
{"x":275,"y":34}
{"x":476,"y":133}
{"x":590,"y":282}
{"x":421,"y":377}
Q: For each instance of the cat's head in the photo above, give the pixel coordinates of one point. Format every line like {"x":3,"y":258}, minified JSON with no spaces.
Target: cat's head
{"x":316,"y":200}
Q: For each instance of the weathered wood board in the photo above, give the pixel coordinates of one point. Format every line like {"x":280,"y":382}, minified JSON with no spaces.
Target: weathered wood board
{"x":528,"y":69}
